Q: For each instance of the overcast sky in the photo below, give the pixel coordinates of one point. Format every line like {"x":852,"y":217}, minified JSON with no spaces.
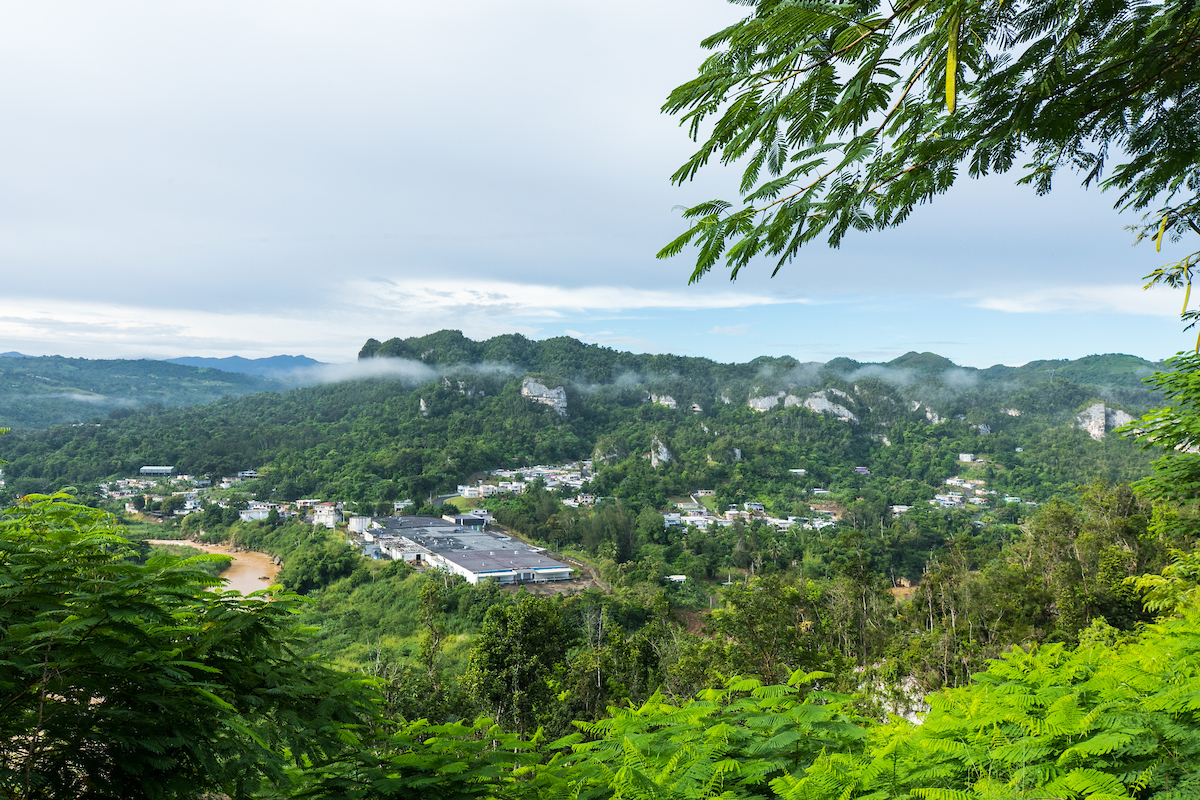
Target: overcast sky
{"x":256,"y":178}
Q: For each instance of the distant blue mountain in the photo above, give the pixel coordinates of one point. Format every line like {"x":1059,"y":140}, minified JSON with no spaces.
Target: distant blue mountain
{"x":14,"y":354}
{"x":274,"y":366}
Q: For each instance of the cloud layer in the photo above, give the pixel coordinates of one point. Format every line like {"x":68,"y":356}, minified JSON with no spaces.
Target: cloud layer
{"x":251,"y":179}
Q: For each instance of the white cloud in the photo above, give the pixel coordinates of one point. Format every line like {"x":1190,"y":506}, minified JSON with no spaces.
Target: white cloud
{"x":731,"y":330}
{"x":1082,"y":298}
{"x":39,"y":326}
{"x":501,"y":298}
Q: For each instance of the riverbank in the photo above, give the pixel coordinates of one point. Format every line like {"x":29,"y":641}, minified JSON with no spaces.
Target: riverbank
{"x":249,"y":571}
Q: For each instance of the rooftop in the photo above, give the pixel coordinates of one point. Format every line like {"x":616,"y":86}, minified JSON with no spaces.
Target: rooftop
{"x":482,"y":562}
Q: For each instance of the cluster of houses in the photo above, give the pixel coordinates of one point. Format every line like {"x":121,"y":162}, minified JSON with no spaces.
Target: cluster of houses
{"x":698,"y":515}
{"x":457,"y":543}
{"x":972,"y":492}
{"x":571,"y":475}
{"x":157,"y":483}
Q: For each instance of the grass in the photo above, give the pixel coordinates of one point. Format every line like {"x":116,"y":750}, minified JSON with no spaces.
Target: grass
{"x":462,"y":503}
{"x":137,"y":531}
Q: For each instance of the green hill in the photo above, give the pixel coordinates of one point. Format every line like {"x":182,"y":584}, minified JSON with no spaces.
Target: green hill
{"x":736,"y":427}
{"x":37,"y":392}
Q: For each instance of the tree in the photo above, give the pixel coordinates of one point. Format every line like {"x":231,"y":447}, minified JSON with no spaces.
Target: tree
{"x":172,"y":504}
{"x":768,"y":628}
{"x":513,"y":661}
{"x":846,"y":116}
{"x":119,"y":679}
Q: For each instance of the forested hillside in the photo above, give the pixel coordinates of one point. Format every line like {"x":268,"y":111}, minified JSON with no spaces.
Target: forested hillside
{"x":735,"y":428}
{"x":38,"y":392}
{"x":833,"y":626}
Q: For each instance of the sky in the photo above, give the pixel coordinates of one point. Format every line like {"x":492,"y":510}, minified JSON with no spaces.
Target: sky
{"x":256,"y":178}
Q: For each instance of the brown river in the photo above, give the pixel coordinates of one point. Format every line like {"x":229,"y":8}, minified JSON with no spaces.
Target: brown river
{"x":247,"y":572}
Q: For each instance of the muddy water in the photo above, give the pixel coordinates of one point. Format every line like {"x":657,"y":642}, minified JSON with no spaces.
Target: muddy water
{"x":247,"y":571}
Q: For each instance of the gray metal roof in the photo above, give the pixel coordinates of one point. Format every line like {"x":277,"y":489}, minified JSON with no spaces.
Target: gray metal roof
{"x":481,"y":562}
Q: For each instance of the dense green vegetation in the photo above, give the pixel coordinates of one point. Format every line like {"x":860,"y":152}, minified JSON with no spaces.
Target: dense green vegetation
{"x":369,"y":442}
{"x":38,"y":392}
{"x":1107,"y":714}
{"x":830,"y":629}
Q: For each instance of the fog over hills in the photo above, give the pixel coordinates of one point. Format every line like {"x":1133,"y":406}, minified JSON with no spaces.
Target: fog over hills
{"x":270,"y":367}
{"x":41,"y":391}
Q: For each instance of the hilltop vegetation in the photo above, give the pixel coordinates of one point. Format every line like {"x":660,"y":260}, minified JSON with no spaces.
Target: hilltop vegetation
{"x":38,"y":392}
{"x":831,"y":627}
{"x":369,"y":442}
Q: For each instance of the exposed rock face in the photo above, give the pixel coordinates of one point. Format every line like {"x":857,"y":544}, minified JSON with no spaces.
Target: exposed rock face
{"x":930,"y":414}
{"x":424,"y":408}
{"x":817,"y":401}
{"x":556,"y":398}
{"x":1098,"y":419}
{"x":1117,"y":417}
{"x":664,"y":400}
{"x":820,"y":403}
{"x":659,"y":454}
{"x":1012,"y":412}
{"x":984,"y":428}
{"x":764,"y":403}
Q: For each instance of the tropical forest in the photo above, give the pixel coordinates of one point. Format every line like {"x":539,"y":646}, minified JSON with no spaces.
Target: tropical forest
{"x":808,"y":580}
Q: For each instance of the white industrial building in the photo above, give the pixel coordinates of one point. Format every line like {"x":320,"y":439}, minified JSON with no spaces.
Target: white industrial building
{"x":475,"y":554}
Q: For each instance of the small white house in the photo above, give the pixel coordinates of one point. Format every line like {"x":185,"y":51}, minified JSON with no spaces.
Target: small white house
{"x":326,"y":514}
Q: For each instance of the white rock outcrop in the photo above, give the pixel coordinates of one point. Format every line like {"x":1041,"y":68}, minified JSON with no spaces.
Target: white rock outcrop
{"x":664,"y":400}
{"x":1098,"y":419}
{"x":817,"y":401}
{"x":764,"y":403}
{"x":820,"y":403}
{"x":930,"y":414}
{"x":424,"y":408}
{"x":556,"y":398}
{"x":659,"y":454}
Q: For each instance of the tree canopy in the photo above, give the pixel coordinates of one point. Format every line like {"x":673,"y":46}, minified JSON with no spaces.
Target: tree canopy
{"x":845,"y":116}
{"x":120,"y":679}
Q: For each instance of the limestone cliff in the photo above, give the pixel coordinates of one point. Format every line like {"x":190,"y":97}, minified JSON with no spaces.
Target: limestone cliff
{"x":556,"y":398}
{"x":1098,"y":419}
{"x":659,"y":454}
